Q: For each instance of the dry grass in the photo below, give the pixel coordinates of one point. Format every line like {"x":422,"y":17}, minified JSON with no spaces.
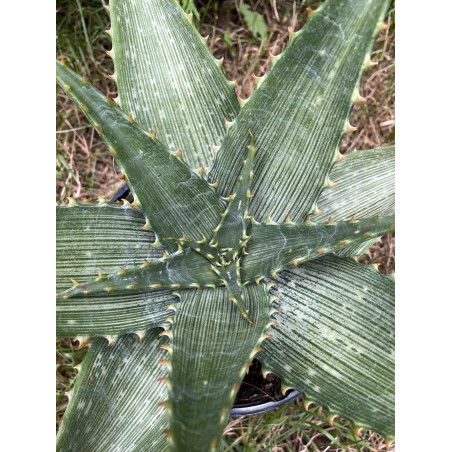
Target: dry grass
{"x":86,"y":171}
{"x":68,"y":355}
{"x":294,"y":428}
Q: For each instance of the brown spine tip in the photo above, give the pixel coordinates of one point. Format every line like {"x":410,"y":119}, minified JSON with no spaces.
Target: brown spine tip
{"x":360,"y":99}
{"x":241,"y":101}
{"x":389,"y":443}
{"x":331,"y":419}
{"x":284,"y":389}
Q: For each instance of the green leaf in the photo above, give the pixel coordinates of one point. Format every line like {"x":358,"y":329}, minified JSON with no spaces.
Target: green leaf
{"x":184,"y":269}
{"x":231,"y":277}
{"x":174,"y":199}
{"x":365,"y":187}
{"x":114,"y":404}
{"x":231,"y":232}
{"x":210,"y":348}
{"x":254,"y":21}
{"x":300,"y":111}
{"x":335,"y":339}
{"x":273,"y":247}
{"x":92,"y":238}
{"x":357,"y":249}
{"x":168,"y":78}
{"x":230,"y":235}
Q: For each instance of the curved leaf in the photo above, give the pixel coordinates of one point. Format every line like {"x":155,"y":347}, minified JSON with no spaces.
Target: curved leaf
{"x":211,"y":348}
{"x":168,"y":78}
{"x":114,"y":404}
{"x":300,"y":111}
{"x":92,"y":238}
{"x":174,"y":199}
{"x":273,"y":247}
{"x":365,"y":187}
{"x":335,"y":339}
{"x":182,"y":270}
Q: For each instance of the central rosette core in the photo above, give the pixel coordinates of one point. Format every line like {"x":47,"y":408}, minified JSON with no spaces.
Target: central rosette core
{"x":227,"y":246}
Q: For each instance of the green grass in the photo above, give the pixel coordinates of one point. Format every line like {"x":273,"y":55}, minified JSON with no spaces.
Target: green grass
{"x":295,"y":428}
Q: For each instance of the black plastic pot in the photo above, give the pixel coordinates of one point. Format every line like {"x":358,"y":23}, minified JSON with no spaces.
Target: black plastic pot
{"x":122,"y":193}
{"x":249,"y":409}
{"x":244,"y":409}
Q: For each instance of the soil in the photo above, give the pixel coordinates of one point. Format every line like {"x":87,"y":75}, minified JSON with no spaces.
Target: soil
{"x":257,"y":389}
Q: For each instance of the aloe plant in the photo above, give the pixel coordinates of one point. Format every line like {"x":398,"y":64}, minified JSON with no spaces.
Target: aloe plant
{"x":238,"y":244}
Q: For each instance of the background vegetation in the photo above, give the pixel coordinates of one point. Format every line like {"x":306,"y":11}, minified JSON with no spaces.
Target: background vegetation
{"x":243,"y":32}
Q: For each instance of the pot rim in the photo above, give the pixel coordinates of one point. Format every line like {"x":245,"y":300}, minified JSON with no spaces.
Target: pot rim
{"x":250,"y":409}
